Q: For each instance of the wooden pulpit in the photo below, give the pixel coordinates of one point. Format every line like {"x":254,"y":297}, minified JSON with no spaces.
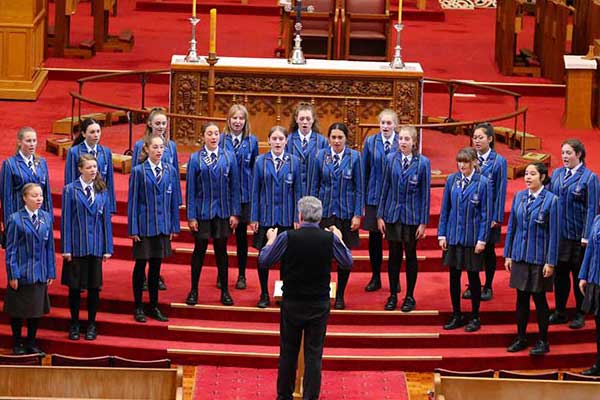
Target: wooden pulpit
{"x":578,"y":100}
{"x":22,"y":30}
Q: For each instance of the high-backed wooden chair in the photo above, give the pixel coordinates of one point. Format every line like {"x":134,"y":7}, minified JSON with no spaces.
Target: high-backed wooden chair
{"x":367,"y":27}
{"x":319,"y":29}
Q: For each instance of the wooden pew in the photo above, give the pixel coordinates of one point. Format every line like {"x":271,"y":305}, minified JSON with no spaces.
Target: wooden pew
{"x":104,"y":41}
{"x":463,"y":388}
{"x":557,"y":31}
{"x":586,"y":25}
{"x":91,"y":383}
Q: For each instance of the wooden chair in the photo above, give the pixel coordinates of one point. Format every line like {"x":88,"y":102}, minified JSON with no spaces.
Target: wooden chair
{"x":548,"y":376}
{"x":68,"y":361}
{"x":26,"y":359}
{"x":121,"y":362}
{"x":571,"y":376}
{"x":319,"y":29}
{"x":485,"y":373}
{"x":367,"y":27}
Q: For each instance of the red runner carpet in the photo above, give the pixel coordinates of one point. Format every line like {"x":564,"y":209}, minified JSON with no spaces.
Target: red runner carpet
{"x":217,"y":383}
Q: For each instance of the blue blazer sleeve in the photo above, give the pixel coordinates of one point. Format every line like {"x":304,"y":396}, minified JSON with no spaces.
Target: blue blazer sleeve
{"x":359,"y":195}
{"x":500,"y":183}
{"x":255,"y":194}
{"x":132,"y":199}
{"x":190,"y":187}
{"x":51,"y":261}
{"x":12,"y":245}
{"x":554,"y":232}
{"x":366,"y":161}
{"x":66,"y":234}
{"x":110,"y":180}
{"x":137,"y":149}
{"x":71,"y":164}
{"x":314,"y":175}
{"x":486,"y":212}
{"x":446,"y":207}
{"x":592,"y":205}
{"x":175,"y":201}
{"x":426,"y":189}
{"x":589,"y":271}
{"x":5,"y":185}
{"x":385,"y":189}
{"x":298,"y":186}
{"x":512,"y":225}
{"x":234,"y":186}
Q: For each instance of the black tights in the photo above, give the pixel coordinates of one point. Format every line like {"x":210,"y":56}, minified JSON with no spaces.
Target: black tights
{"x":541,"y":308}
{"x":241,"y":239}
{"x":375,"y":252}
{"x":395,"y":262}
{"x":92,"y":302}
{"x":565,"y":271}
{"x":598,"y":340}
{"x":138,"y":280}
{"x":32,"y":325}
{"x":474,"y":284}
{"x":220,"y":246}
{"x":489,"y":260}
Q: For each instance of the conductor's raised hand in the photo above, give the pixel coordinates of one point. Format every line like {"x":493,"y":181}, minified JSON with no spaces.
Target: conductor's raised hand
{"x":333,"y":229}
{"x":271,"y":234}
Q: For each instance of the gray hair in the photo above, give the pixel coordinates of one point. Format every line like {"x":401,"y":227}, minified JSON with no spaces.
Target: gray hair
{"x":311,"y":209}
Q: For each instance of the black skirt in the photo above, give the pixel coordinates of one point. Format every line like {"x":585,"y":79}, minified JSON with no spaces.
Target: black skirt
{"x":570,"y":251}
{"x":350,"y":237}
{"x":152,"y":247}
{"x":370,"y":220}
{"x":82,"y":273}
{"x":216,"y":228}
{"x":529,"y":278}
{"x":495,"y":235}
{"x":464,"y":258}
{"x":245,"y":213}
{"x":260,"y":237}
{"x":399,"y":232}
{"x":591,"y":300}
{"x":28,"y":301}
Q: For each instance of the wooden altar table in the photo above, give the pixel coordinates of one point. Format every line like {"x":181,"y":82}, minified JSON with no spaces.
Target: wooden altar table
{"x":352,"y":92}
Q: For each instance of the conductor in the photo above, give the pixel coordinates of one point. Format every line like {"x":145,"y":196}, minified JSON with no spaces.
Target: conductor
{"x":306,"y":255}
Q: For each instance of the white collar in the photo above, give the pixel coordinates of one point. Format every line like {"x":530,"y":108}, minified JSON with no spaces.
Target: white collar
{"x":536,"y":194}
{"x":470,"y":177}
{"x":408,"y":157}
{"x":30,"y":213}
{"x":307,"y":136}
{"x":89,"y":149}
{"x":390,"y":139}
{"x":84,"y":185}
{"x":153,"y":166}
{"x":485,"y":155}
{"x":275,"y":157}
{"x":26,"y":158}
{"x":238,"y":137}
{"x":340,"y":154}
{"x":209,"y":152}
{"x":575,"y":168}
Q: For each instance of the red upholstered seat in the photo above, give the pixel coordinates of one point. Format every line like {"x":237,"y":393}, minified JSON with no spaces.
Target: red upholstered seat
{"x":26,"y":359}
{"x":319,"y":29}
{"x":486,"y":373}
{"x":550,"y":375}
{"x":367,"y":30}
{"x":129,"y":363}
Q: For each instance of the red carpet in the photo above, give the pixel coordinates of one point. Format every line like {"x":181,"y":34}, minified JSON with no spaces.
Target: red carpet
{"x":217,"y":383}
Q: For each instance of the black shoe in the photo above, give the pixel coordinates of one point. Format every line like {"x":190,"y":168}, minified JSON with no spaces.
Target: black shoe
{"x":373,"y":285}
{"x":578,"y":322}
{"x":391,"y":303}
{"x":408,"y":304}
{"x":226,"y":299}
{"x":467,"y":294}
{"x":161,"y":283}
{"x":339,"y":304}
{"x":91,"y":332}
{"x":474,"y":325}
{"x":518,"y":344}
{"x":155,"y":313}
{"x":241,"y":283}
{"x":33,"y":349}
{"x":138,"y":315}
{"x":264,"y":301}
{"x":74,"y":331}
{"x":456,"y":321}
{"x":486,"y":294}
{"x":19,"y":349}
{"x":218,"y":283}
{"x":145,"y":284}
{"x":540,"y":348}
{"x":594,"y":370}
{"x":557,"y":318}
{"x":192,"y":298}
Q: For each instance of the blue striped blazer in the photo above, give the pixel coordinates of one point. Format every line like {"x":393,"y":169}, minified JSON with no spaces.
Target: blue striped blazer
{"x":169,"y":155}
{"x":495,"y":169}
{"x":14,"y":175}
{"x":85,"y":228}
{"x":294,"y":147}
{"x":153,"y":207}
{"x":29,"y":252}
{"x":578,"y":201}
{"x":405,"y":194}
{"x":465,"y":216}
{"x":590,"y":268}
{"x":212,"y":191}
{"x":532,"y":234}
{"x":341,"y":191}
{"x":246,"y":156}
{"x":374,"y":159}
{"x":105,"y":168}
{"x":275,"y":194}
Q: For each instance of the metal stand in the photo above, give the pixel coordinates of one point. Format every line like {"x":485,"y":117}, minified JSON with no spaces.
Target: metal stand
{"x":397,"y":63}
{"x":192,"y":56}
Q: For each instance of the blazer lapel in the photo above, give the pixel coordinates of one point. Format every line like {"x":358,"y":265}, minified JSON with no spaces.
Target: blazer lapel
{"x":471,"y":186}
{"x":150,"y":174}
{"x":28,"y":224}
{"x":537,"y":203}
{"x":270,"y":165}
{"x":79,"y":192}
{"x":22,"y":165}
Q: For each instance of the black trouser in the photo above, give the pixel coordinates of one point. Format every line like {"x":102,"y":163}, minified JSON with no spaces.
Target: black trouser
{"x":299,"y":317}
{"x":474,"y":285}
{"x":92,"y":302}
{"x":138,"y":280}
{"x":200,"y":246}
{"x":489,"y":261}
{"x":375,"y":252}
{"x":395,"y":262}
{"x":598,"y":340}
{"x":32,"y":325}
{"x":241,"y":239}
{"x":541,"y":309}
{"x":565,"y":271}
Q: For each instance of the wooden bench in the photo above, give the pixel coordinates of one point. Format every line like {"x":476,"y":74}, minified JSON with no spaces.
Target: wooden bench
{"x":90,"y":383}
{"x":63,"y":126}
{"x":121,"y":163}
{"x":467,"y":388}
{"x":58,"y":145}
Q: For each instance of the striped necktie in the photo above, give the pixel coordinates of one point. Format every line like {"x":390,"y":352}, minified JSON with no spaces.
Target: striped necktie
{"x":93,"y":153}
{"x":304,"y":143}
{"x":336,"y":162}
{"x":568,"y":174}
{"x":30,"y":165}
{"x":530,"y":200}
{"x":36,"y":221}
{"x":481,"y":161}
{"x":158,"y":174}
{"x":405,"y":163}
{"x":465,"y":183}
{"x":236,"y":143}
{"x":213,"y":160}
{"x":88,"y":194}
{"x":278,"y":164}
{"x":387,"y":147}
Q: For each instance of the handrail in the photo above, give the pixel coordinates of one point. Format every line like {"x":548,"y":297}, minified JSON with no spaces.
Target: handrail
{"x":472,"y":84}
{"x":125,"y":73}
